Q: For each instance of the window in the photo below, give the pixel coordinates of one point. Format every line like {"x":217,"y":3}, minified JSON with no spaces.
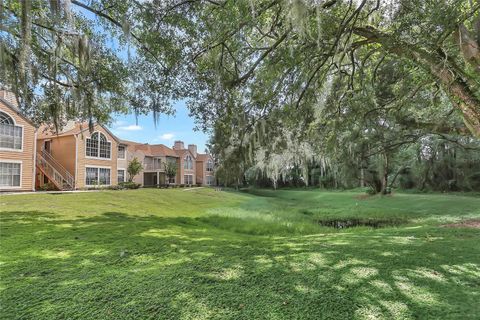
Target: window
{"x":188,"y":163}
{"x":188,"y":179}
{"x":104,"y":176}
{"x":209,"y":165}
{"x":6,"y":119}
{"x":121,"y":152}
{"x":210,"y":180}
{"x":91,"y":176}
{"x":121,"y":175}
{"x":171,"y":180}
{"x":10,"y":134}
{"x":97,"y":146}
{"x":10,"y":174}
{"x":97,"y":176}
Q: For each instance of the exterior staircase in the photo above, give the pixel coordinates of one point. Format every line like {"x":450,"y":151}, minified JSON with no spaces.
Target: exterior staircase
{"x":54,"y":171}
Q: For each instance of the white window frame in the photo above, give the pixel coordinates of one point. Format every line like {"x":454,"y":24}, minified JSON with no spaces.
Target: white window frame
{"x":124,"y":174}
{"x":98,"y":171}
{"x":211,"y":182}
{"x":99,"y":158}
{"x":185,"y":182}
{"x":186,"y":161}
{"x":124,"y":152}
{"x":21,"y":175}
{"x":15,"y":124}
{"x":209,"y":161}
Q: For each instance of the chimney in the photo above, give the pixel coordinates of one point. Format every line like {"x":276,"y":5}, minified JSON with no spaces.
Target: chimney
{"x":178,"y":145}
{"x":193,"y":149}
{"x":9,"y":96}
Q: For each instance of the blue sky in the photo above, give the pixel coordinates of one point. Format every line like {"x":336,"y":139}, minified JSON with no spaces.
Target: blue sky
{"x":167,"y":130}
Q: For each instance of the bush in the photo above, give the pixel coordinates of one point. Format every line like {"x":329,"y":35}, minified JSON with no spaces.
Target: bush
{"x":117,"y":187}
{"x":370,"y":191}
{"x":48,"y":187}
{"x":129,"y":185}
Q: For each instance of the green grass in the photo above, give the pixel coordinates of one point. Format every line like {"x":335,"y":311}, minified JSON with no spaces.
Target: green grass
{"x":202,"y":254}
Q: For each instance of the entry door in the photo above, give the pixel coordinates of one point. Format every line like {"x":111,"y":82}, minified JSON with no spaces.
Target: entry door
{"x":155,"y":180}
{"x":46,"y":146}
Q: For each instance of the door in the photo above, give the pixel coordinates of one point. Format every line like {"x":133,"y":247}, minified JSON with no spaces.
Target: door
{"x":46,"y":145}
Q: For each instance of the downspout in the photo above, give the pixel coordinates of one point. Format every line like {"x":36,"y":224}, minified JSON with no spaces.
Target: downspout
{"x":34,"y":169}
{"x":76,"y":159}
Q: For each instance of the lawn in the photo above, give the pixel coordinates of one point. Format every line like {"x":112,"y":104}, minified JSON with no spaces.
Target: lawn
{"x":205,"y":254}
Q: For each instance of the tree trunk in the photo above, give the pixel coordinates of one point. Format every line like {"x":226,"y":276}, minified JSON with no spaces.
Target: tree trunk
{"x":362,"y":177}
{"x":385,"y":175}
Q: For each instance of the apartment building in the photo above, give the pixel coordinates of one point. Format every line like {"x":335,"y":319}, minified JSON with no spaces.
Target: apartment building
{"x":192,"y":168}
{"x":17,"y":147}
{"x":78,"y":156}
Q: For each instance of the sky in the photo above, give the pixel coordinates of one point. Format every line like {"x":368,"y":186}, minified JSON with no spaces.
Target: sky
{"x":168,"y":128}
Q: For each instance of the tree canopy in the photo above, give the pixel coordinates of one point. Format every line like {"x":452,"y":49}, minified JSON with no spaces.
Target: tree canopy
{"x":344,"y":87}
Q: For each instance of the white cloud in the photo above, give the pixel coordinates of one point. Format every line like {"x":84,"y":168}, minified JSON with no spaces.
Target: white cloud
{"x":132,"y":127}
{"x":119,"y":123}
{"x":167,"y":136}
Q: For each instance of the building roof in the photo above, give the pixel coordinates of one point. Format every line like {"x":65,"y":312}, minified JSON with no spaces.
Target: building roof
{"x":155,"y":150}
{"x":16,"y":110}
{"x":182,"y":152}
{"x":203,"y":156}
{"x":71,"y":128}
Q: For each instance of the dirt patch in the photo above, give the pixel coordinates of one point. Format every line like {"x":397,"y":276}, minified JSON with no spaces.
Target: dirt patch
{"x":474,"y":223}
{"x":363,"y":197}
{"x":354,"y":222}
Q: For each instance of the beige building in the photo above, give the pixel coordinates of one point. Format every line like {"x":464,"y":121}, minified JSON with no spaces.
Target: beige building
{"x":204,"y":169}
{"x":17,"y":147}
{"x":80,"y":158}
{"x":192,"y":168}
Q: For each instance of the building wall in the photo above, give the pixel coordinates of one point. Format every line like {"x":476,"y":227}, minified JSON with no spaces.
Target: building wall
{"x":62,"y":149}
{"x":26,"y":156}
{"x":132,"y":153}
{"x":84,"y":162}
{"x":122,"y":164}
{"x":200,"y":172}
{"x":181,"y":171}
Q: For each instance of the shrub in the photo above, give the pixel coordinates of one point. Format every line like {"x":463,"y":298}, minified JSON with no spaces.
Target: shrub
{"x":117,"y":187}
{"x":47,"y":187}
{"x":370,"y":191}
{"x":129,"y":185}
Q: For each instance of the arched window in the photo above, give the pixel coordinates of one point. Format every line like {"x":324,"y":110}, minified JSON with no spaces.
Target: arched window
{"x":209,"y":165}
{"x":188,"y":163}
{"x":11,"y":136}
{"x":6,"y":119}
{"x":97,"y":146}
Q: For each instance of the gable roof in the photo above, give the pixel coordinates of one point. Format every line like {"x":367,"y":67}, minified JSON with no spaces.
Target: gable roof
{"x":182,"y":152}
{"x":155,"y":150}
{"x":71,"y":128}
{"x":17,"y":111}
{"x":203,"y":157}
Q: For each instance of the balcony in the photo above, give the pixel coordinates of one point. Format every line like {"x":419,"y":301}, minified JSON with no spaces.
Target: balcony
{"x":153,"y":167}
